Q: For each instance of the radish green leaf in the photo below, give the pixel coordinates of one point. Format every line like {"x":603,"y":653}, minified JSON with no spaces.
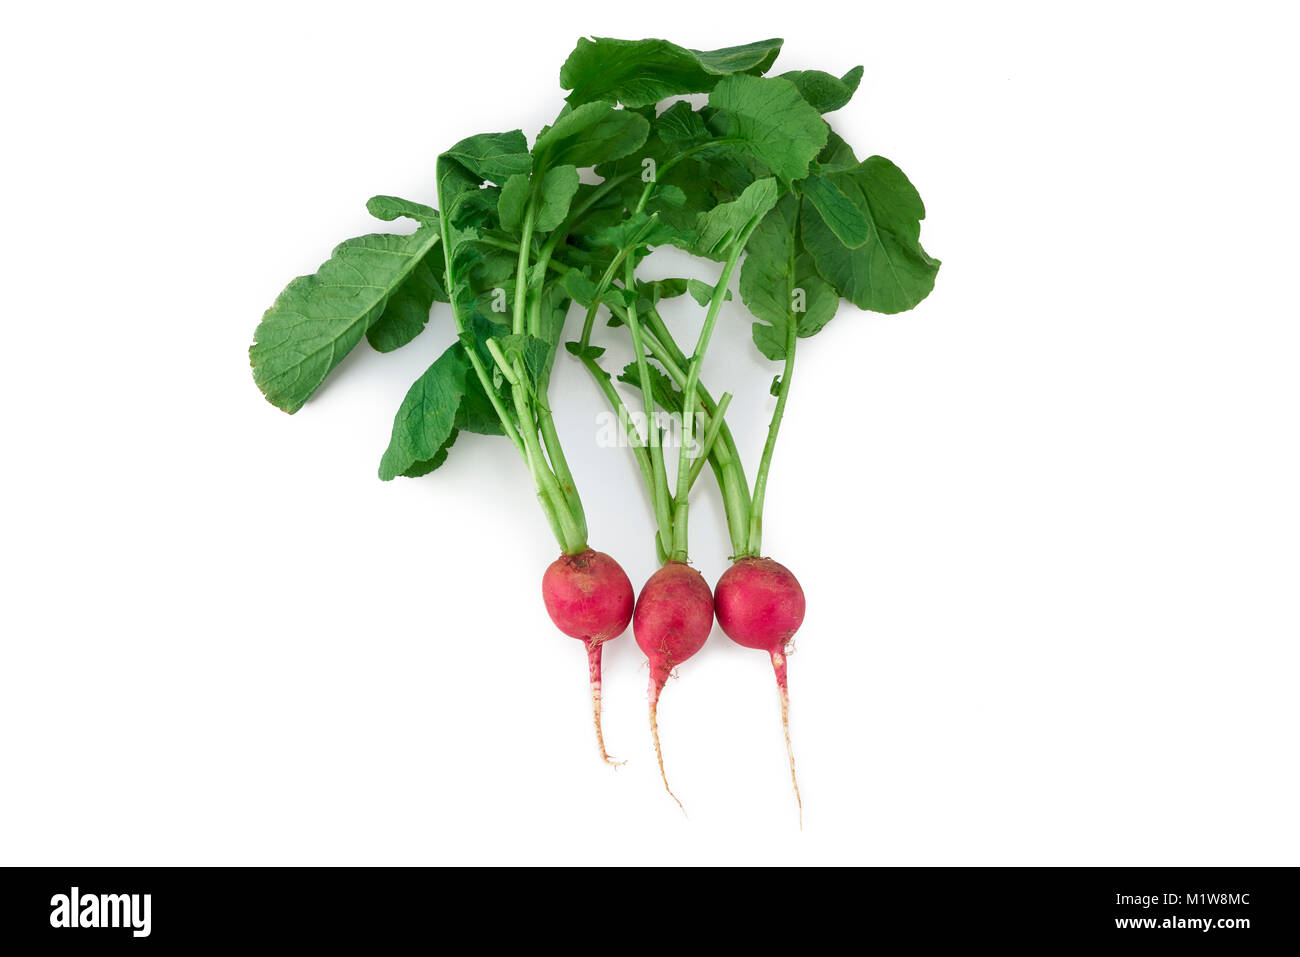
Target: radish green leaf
{"x":824,"y":92}
{"x":770,"y":120}
{"x":780,"y":285}
{"x":890,"y":272}
{"x":425,"y":425}
{"x":317,"y":319}
{"x":642,"y":72}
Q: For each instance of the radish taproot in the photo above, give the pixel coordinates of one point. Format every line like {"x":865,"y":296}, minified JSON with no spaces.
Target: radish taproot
{"x":673,"y":618}
{"x":589,"y":597}
{"x":760,"y":604}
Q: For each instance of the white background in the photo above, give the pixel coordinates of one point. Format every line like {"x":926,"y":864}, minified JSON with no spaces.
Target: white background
{"x":1047,"y":523}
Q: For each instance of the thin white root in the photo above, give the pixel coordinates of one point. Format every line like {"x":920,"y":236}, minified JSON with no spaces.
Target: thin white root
{"x":600,"y":735}
{"x":654,"y":730}
{"x":789,"y":748}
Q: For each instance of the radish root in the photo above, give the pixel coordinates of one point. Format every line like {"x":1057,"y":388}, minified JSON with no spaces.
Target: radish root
{"x":778,"y":665}
{"x":593,"y":669}
{"x":655,"y":688}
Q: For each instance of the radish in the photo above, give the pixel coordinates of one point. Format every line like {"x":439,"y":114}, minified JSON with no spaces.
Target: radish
{"x":673,"y":618}
{"x":589,"y":597}
{"x":760,"y":605}
{"x":521,"y":234}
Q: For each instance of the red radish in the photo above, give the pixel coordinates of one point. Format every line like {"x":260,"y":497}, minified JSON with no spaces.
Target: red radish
{"x":761,"y":605}
{"x":589,"y":596}
{"x":673,"y":618}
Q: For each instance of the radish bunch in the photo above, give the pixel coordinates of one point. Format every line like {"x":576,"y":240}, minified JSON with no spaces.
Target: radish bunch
{"x":755,"y":180}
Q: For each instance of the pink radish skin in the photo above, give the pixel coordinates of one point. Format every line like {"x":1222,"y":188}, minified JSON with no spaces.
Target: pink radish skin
{"x":761,"y":605}
{"x":589,"y":597}
{"x":673,"y":618}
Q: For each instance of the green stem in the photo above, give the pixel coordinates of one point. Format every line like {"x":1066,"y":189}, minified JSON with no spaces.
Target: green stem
{"x":607,"y":278}
{"x":555,"y":452}
{"x":682,"y":517}
{"x":658,"y":328}
{"x":535,"y":300}
{"x":658,"y":489}
{"x":545,"y":421}
{"x":710,"y":437}
{"x":571,"y":538}
{"x":521,"y":271}
{"x":508,"y":425}
{"x":561,"y":498}
{"x":503,"y":364}
{"x":754,"y":543}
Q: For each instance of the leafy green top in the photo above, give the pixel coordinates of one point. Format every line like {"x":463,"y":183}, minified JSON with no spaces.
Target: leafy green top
{"x":757,"y":175}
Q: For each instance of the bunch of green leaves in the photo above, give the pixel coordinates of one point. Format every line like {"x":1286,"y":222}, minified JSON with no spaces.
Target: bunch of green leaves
{"x":756,"y":172}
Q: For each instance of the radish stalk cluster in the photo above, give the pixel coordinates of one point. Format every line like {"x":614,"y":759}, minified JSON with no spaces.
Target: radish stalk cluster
{"x":755,"y":181}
